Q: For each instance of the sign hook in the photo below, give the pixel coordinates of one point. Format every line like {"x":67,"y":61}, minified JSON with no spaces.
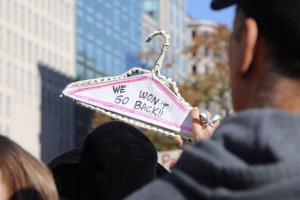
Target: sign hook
{"x":166,"y":38}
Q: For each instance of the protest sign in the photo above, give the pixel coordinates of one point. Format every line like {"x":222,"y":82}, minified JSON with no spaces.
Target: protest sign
{"x":143,"y":97}
{"x":140,"y":97}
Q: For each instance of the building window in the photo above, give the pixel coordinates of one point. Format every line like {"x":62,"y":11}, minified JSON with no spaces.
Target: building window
{"x":194,"y":33}
{"x":7,"y":131}
{"x":1,"y":103}
{"x":15,"y":45}
{"x":14,"y":76}
{"x":67,"y":13}
{"x":8,"y":103}
{"x":8,"y":74}
{"x":206,"y":34}
{"x":1,"y":37}
{"x":50,"y":32}
{"x":22,"y":77}
{"x":43,"y":5}
{"x":2,"y":70}
{"x":194,"y":69}
{"x":55,"y":8}
{"x":36,"y":52}
{"x":22,"y":48}
{"x":1,"y":8}
{"x":43,"y":27}
{"x":80,"y":71}
{"x":25,"y":50}
{"x":49,"y":6}
{"x":29,"y":82}
{"x":99,"y":59}
{"x":43,"y":56}
{"x":206,"y":51}
{"x":35,"y":22}
{"x":22,"y":20}
{"x":29,"y":23}
{"x":171,"y":12}
{"x":152,"y":8}
{"x":206,"y":67}
{"x":14,"y":14}
{"x":8,"y":10}
{"x":67,"y":41}
{"x":8,"y":42}
{"x":17,"y":79}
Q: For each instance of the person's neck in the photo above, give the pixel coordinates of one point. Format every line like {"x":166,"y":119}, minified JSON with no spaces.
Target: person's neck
{"x":283,"y":94}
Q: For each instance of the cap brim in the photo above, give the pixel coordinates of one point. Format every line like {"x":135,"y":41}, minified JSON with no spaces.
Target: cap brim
{"x":65,"y":171}
{"x":73,"y":157}
{"x":220,"y":4}
{"x":69,"y":157}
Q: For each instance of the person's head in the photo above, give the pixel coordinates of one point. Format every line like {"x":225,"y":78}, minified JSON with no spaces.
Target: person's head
{"x":264,"y":51}
{"x":22,"y":176}
{"x":116,"y":159}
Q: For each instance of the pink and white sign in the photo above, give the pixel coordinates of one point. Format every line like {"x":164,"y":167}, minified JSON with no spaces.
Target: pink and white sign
{"x":143,"y":97}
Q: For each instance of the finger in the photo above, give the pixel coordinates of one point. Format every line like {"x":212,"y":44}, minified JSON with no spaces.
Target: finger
{"x":195,"y":112}
{"x":201,"y":128}
{"x":180,"y":142}
{"x":197,"y":124}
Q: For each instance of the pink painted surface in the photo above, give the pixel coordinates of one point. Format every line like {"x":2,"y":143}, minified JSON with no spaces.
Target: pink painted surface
{"x":108,"y":84}
{"x":128,"y":110}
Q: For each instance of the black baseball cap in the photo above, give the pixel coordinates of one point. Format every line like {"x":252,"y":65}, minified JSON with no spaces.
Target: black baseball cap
{"x":219,"y":4}
{"x":278,"y":21}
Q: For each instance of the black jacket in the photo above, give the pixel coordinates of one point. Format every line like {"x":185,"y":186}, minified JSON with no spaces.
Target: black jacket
{"x":254,"y":155}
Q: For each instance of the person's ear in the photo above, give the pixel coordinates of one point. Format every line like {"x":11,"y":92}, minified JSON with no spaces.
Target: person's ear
{"x":249,"y":40}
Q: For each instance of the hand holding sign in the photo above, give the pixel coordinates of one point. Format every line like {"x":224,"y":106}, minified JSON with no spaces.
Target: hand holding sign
{"x":143,"y":99}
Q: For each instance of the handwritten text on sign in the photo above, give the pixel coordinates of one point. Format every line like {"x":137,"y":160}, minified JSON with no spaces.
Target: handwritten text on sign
{"x":146,"y":102}
{"x":141,"y":97}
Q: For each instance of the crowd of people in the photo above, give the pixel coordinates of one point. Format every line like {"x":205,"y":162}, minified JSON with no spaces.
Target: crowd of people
{"x":251,"y":155}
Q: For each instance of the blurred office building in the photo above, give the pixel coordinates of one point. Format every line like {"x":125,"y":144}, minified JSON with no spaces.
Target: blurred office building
{"x":108,"y":43}
{"x":169,"y":15}
{"x":108,"y":35}
{"x":37,"y":60}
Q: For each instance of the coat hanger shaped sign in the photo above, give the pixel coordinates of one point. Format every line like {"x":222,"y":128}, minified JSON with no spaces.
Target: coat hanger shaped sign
{"x":140,"y":97}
